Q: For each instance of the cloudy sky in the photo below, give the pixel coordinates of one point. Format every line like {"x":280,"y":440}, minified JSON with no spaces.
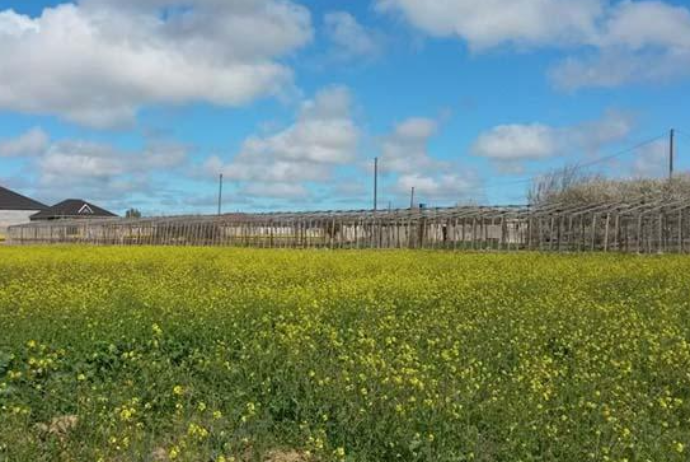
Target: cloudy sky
{"x":143,"y":103}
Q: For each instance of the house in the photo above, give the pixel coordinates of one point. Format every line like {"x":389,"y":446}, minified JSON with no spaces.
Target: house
{"x":16,"y":209}
{"x":74,"y":209}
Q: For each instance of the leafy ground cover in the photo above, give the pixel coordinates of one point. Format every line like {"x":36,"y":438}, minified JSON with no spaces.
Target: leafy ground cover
{"x":184,"y":354}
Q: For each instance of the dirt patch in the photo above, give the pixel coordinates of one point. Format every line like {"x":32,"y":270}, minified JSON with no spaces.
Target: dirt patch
{"x":287,"y":456}
{"x":59,"y":426}
{"x":159,"y":455}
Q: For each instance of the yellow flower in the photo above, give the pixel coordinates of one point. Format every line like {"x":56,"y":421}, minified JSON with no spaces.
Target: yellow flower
{"x":178,"y":390}
{"x":125,"y":414}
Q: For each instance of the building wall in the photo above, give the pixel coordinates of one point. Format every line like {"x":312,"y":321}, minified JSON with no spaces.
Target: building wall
{"x":13,"y":217}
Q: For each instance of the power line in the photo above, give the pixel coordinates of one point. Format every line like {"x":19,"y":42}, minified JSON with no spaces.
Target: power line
{"x":621,"y":153}
{"x":581,"y":166}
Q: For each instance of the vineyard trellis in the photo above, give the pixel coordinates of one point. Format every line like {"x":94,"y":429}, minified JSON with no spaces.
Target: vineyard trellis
{"x":644,"y":226}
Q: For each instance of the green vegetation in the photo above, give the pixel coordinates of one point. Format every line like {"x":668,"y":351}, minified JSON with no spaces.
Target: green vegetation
{"x":184,"y":354}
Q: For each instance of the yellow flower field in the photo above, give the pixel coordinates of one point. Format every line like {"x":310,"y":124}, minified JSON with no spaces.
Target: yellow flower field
{"x":186,"y":354}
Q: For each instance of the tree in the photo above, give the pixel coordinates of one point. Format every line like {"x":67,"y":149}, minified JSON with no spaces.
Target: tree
{"x":133,"y":213}
{"x":555,"y":185}
{"x":569,"y":186}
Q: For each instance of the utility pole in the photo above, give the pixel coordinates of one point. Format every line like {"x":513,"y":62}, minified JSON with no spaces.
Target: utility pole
{"x":220,"y":194}
{"x":672,"y":148}
{"x":412,"y":198}
{"x":376,"y":183}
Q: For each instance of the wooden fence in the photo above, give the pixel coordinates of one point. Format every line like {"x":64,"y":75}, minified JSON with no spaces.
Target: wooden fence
{"x":659,"y":226}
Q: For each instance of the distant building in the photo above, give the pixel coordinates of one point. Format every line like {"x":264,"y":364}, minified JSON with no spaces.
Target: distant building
{"x":72,"y":209}
{"x":16,"y":209}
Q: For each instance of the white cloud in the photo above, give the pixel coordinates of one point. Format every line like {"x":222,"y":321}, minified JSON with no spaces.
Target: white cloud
{"x":350,"y":39}
{"x":275,"y":190}
{"x":323,"y":136}
{"x":56,"y":170}
{"x":612,"y":68}
{"x":30,"y":143}
{"x":407,"y":158}
{"x":438,"y":188}
{"x":651,"y":160}
{"x":406,"y":150}
{"x":645,"y":41}
{"x":98,"y":62}
{"x":611,"y":43}
{"x":612,"y":127}
{"x":68,"y":161}
{"x":517,"y":142}
{"x":490,"y":23}
{"x":521,"y":142}
{"x":637,"y":25}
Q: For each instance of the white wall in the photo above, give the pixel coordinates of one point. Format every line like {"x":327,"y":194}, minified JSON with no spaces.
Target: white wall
{"x":14,"y":217}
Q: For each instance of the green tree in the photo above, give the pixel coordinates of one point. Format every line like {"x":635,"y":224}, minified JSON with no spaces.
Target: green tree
{"x":133,"y":213}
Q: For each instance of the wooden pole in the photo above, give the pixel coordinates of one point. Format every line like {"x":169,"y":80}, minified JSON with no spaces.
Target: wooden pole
{"x":680,"y":231}
{"x":220,"y":194}
{"x":606,"y":233}
{"x":376,"y":182}
{"x":671,"y":160}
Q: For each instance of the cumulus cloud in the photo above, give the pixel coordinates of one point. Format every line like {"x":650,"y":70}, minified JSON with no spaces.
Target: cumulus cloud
{"x":517,"y":142}
{"x":323,"y":136}
{"x":349,"y":38}
{"x":637,"y":25}
{"x":65,"y":162}
{"x":99,"y":61}
{"x":651,"y":160}
{"x":613,"y":68}
{"x":523,"y":142}
{"x":440,"y":187}
{"x":491,"y":23}
{"x":610,"y":43}
{"x":56,"y":170}
{"x":275,"y":190}
{"x":31,"y":143}
{"x":405,"y":155}
{"x":641,"y":42}
{"x":406,"y":149}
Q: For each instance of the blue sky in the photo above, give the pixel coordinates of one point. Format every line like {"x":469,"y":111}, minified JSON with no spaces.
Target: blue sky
{"x":143,"y":103}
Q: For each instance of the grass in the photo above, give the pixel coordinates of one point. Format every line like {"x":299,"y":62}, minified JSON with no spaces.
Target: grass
{"x":140,"y":354}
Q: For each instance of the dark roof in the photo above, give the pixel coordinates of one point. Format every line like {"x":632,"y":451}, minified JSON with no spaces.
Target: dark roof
{"x":10,"y":200}
{"x":72,"y":208}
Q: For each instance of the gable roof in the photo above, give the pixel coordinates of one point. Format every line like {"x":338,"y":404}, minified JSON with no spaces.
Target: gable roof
{"x":10,"y":200}
{"x":72,"y":208}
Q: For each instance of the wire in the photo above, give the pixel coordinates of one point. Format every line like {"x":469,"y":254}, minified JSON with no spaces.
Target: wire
{"x":583,"y":165}
{"x":510,"y":183}
{"x":621,"y":153}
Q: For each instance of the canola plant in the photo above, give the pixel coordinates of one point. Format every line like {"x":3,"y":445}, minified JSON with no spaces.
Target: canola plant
{"x":191,"y":354}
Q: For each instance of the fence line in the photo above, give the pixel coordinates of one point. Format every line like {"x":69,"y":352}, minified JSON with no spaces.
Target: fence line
{"x":643,"y":226}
